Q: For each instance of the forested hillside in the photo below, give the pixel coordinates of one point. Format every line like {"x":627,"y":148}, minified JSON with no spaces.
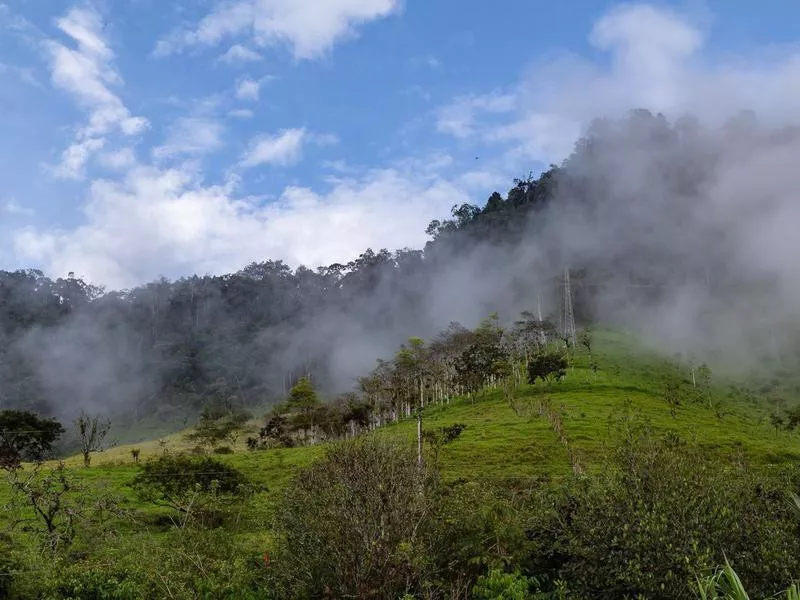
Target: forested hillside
{"x":632,"y":215}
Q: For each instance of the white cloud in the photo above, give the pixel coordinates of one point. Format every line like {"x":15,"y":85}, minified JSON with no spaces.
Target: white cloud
{"x":87,"y":73}
{"x":248,"y":89}
{"x":191,"y":136}
{"x":119,"y":160}
{"x":657,"y":62}
{"x":13,"y":207}
{"x":283,"y":148}
{"x":74,"y":158}
{"x":238,"y":54}
{"x":309,"y":27}
{"x":458,"y":118}
{"x":164,"y":222}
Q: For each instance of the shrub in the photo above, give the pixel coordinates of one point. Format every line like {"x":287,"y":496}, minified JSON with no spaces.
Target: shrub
{"x":547,"y":366}
{"x":217,"y":425}
{"x":96,"y":585}
{"x":478,"y":526}
{"x":662,"y":515}
{"x":8,"y":566}
{"x":355,"y":524}
{"x":178,"y":481}
{"x":223,"y":450}
{"x":498,"y":585}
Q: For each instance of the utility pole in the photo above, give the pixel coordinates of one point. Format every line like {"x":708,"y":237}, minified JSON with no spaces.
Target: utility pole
{"x":542,"y":339}
{"x":569,"y":315}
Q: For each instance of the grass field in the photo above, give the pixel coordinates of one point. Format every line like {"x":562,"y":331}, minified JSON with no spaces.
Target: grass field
{"x":503,"y":445}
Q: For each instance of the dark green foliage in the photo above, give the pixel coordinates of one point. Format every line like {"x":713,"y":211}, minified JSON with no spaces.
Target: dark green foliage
{"x":660,"y":516}
{"x":451,"y":432}
{"x":481,"y":362}
{"x":8,"y":566}
{"x":97,"y":585}
{"x":217,"y":426}
{"x":498,"y":585}
{"x":478,"y":527}
{"x":547,"y":366}
{"x":443,"y":435}
{"x":175,"y":480}
{"x":303,"y":405}
{"x":24,"y":436}
{"x":355,"y":524}
{"x":275,"y":433}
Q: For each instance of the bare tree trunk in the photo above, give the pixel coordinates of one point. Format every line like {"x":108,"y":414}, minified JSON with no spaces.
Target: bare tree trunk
{"x":419,"y":438}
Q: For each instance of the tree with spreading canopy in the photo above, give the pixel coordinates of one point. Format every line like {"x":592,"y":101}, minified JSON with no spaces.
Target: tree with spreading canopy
{"x":25,"y":436}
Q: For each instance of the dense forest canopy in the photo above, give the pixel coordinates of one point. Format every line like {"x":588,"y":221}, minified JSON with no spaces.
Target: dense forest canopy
{"x":649,"y":218}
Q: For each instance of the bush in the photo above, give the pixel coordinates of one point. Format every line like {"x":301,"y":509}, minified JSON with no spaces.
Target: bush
{"x":356,"y":523}
{"x":8,"y":566}
{"x":478,"y":526}
{"x":498,"y":585}
{"x":547,"y":366}
{"x":662,"y":515}
{"x":223,"y":450}
{"x":96,"y":585}
{"x":178,"y":481}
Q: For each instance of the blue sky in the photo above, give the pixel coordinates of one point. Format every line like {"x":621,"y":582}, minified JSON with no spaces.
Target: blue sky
{"x":138,"y":140}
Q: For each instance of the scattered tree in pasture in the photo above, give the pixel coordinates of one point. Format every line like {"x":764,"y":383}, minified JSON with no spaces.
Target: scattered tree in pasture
{"x":485,"y":362}
{"x":585,"y":340}
{"x":24,"y":436}
{"x":547,"y":366}
{"x":303,"y":403}
{"x":441,"y":436}
{"x":672,"y":396}
{"x":91,"y":433}
{"x":47,"y":496}
{"x":703,"y":374}
{"x":57,"y":504}
{"x":216,"y":426}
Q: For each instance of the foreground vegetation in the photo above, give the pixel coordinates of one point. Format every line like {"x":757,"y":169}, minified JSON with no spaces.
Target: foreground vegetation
{"x":605,"y":484}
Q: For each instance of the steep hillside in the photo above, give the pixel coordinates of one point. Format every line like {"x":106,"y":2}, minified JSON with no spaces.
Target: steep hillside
{"x":507,"y":441}
{"x":509,"y":444}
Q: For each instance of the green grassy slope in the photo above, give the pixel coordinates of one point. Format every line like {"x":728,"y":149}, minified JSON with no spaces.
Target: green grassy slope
{"x":505,"y":445}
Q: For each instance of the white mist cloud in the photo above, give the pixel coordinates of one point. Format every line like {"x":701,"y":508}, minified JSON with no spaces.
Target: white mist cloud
{"x":191,"y":136}
{"x":166,"y":222}
{"x":657,"y":61}
{"x":74,"y":158}
{"x":239,"y":54}
{"x":119,"y":160}
{"x":308,"y":27}
{"x":248,"y":89}
{"x":282,"y":148}
{"x":458,"y":119}
{"x":87,"y":73}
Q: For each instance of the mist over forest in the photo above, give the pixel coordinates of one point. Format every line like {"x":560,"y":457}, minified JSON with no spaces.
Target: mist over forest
{"x":679,"y":232}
